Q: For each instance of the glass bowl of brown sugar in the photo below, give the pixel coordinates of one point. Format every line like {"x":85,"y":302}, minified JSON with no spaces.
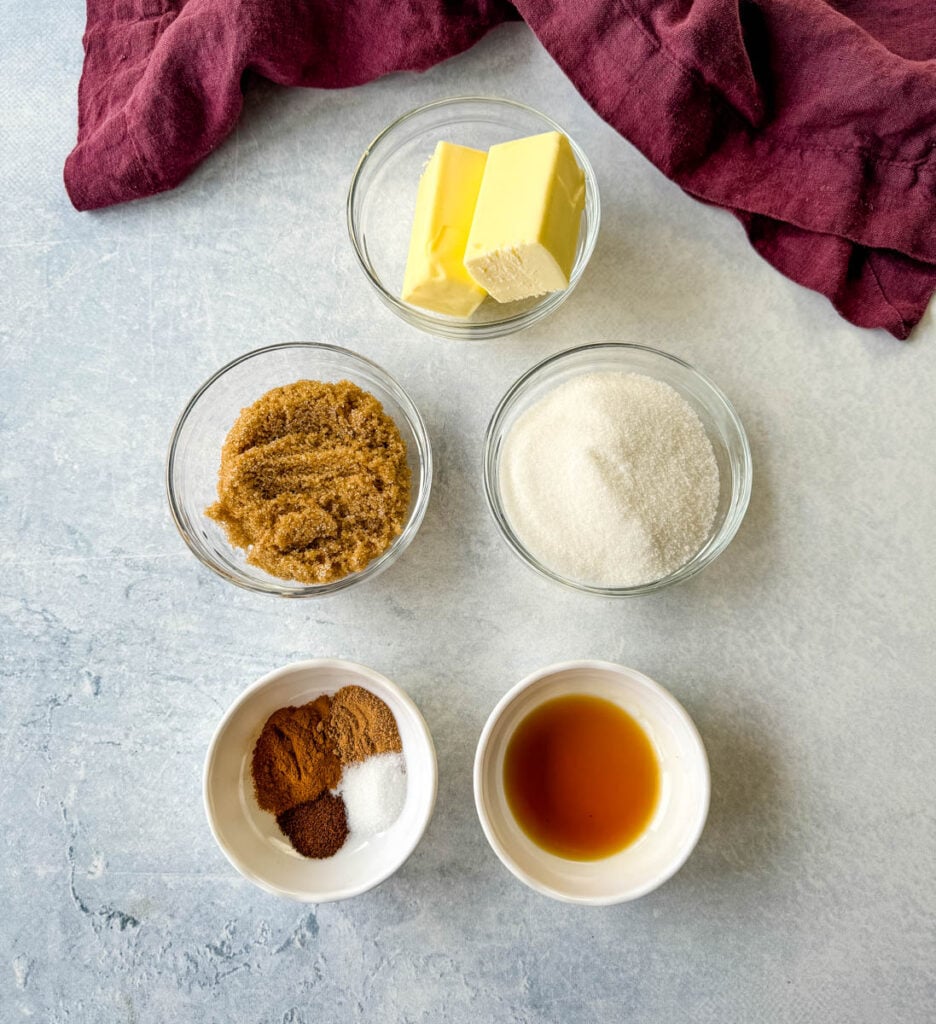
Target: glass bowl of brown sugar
{"x":299,"y":470}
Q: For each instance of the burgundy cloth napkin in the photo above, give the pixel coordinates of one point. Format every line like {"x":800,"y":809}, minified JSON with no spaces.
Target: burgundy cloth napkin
{"x":813,"y":121}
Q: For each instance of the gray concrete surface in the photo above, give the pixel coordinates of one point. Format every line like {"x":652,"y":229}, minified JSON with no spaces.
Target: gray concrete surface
{"x":805,"y":653}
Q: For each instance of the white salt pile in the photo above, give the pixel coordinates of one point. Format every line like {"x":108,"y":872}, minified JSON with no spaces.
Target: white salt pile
{"x":610,"y":479}
{"x":374,"y":791}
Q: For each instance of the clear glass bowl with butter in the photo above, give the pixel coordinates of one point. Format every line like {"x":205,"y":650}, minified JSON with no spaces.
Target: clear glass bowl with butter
{"x":382,"y":201}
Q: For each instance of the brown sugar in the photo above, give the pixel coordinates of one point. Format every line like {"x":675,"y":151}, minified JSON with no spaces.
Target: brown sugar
{"x":313,"y":482}
{"x":316,"y":828}
{"x":361,"y":724}
{"x":293,"y":759}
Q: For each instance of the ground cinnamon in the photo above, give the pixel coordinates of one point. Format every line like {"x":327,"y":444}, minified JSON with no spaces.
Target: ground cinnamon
{"x":360,"y":724}
{"x":293,"y":760}
{"x":316,"y":828}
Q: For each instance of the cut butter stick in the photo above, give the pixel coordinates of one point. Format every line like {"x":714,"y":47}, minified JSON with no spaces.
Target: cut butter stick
{"x":435,"y":276}
{"x":526,"y":222}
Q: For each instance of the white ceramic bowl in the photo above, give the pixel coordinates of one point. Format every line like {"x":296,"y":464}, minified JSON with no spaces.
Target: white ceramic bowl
{"x":251,"y":839}
{"x":684,"y":797}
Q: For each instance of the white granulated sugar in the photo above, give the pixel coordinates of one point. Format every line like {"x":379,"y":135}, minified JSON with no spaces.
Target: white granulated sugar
{"x":374,"y":791}
{"x":610,"y":479}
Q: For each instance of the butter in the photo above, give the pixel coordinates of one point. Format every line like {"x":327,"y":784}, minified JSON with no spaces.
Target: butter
{"x":436,"y":277}
{"x":526,"y":222}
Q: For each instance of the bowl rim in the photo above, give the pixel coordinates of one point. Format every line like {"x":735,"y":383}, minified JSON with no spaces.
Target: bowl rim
{"x":633,"y":675}
{"x":712,"y":548}
{"x":450,"y":327}
{"x":286,"y":588}
{"x":362,"y":672}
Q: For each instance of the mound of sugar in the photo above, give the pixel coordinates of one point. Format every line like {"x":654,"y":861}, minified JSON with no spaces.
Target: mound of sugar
{"x":610,"y":479}
{"x":374,"y":792}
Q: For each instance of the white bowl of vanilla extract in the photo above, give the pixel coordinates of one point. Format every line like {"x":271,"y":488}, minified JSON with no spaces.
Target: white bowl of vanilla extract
{"x":591,"y":783}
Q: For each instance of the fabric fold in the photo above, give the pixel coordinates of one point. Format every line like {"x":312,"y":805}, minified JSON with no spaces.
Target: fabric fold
{"x":813,"y":121}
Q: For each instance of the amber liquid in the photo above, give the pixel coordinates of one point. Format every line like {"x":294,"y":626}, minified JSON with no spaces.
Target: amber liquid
{"x":581,"y":777}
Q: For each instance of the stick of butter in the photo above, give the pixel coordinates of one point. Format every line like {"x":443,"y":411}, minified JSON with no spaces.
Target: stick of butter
{"x":435,"y":276}
{"x":526,"y":222}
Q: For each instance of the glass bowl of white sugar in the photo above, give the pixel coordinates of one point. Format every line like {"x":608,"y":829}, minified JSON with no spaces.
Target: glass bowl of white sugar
{"x":616,"y":469}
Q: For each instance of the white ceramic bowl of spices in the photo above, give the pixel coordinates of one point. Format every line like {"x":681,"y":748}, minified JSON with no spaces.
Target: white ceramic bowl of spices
{"x":591,"y":783}
{"x":320,"y":780}
{"x":616,"y":469}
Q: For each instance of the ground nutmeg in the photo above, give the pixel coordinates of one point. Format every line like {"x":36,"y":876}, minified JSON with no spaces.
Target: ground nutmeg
{"x":360,"y":724}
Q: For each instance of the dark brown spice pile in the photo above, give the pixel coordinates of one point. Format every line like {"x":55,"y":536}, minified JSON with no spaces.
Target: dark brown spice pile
{"x":316,"y":828}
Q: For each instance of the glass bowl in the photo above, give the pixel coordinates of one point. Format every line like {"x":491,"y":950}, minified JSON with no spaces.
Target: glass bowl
{"x":195,"y":454}
{"x":724,"y":430}
{"x":382,"y":199}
